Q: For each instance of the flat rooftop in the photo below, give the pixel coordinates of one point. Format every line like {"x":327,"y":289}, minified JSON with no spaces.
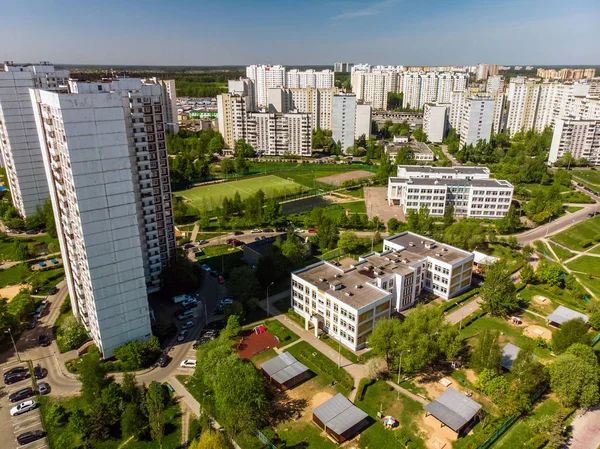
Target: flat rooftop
{"x":324,"y":276}
{"x":459,"y":169}
{"x":452,"y":182}
{"x":417,"y":147}
{"x":417,"y":246}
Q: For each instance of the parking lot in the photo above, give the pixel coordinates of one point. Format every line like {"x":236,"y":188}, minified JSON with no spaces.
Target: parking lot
{"x":12,"y":426}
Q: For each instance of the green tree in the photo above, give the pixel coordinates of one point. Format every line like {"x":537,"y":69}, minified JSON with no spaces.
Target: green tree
{"x":242,"y":283}
{"x":405,"y":156}
{"x":551,"y":426}
{"x":181,"y":276}
{"x":349,"y":242}
{"x":570,"y":332}
{"x":133,"y":421}
{"x":92,"y":376}
{"x":293,"y":249}
{"x":420,"y":135}
{"x":449,"y":216}
{"x":217,"y":143}
{"x":210,"y":439}
{"x":243,"y":149}
{"x":112,"y":399}
{"x":384,"y":340}
{"x":412,"y":220}
{"x":385,"y":169}
{"x":56,"y":414}
{"x":425,"y":220}
{"x":487,"y":352}
{"x":232,"y":329}
{"x":227,"y":166}
{"x":563,"y":177}
{"x":155,"y":406}
{"x":527,"y":274}
{"x":510,"y":223}
{"x":79,"y":424}
{"x":327,"y":235}
{"x":99,"y":421}
{"x":498,"y":292}
{"x":574,"y":381}
{"x":595,"y":321}
{"x":273,"y":211}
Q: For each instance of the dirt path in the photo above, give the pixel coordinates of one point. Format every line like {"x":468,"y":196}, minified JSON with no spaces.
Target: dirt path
{"x":185,"y":423}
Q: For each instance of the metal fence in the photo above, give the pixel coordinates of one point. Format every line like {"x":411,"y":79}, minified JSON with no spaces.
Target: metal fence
{"x":264,"y":439}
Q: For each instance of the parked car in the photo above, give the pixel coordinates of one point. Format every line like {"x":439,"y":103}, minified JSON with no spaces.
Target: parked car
{"x":189,"y":303}
{"x":281,"y":229}
{"x":255,"y":231}
{"x":182,"y":335}
{"x":43,"y":388}
{"x":188,"y":324}
{"x":53,"y":291}
{"x":188,"y":245}
{"x":267,"y":230}
{"x":23,"y":407}
{"x":21,"y":394}
{"x":226,"y":301}
{"x":189,"y":363}
{"x":164,"y":360}
{"x":185,"y":315}
{"x":30,"y":437}
{"x":312,"y":231}
{"x":205,"y":267}
{"x":202,"y":242}
{"x":238,"y":233}
{"x":214,"y":273}
{"x":39,"y":372}
{"x":44,"y":340}
{"x":31,"y":232}
{"x":220,"y":279}
{"x":32,"y":323}
{"x":16,"y":377}
{"x":300,"y":231}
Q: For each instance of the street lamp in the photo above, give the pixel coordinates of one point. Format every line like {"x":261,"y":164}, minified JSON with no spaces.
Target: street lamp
{"x":268,"y":309}
{"x":13,"y":342}
{"x":400,"y":365}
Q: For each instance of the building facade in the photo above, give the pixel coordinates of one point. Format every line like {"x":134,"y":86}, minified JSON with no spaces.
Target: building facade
{"x":94,"y":189}
{"x":309,"y":78}
{"x":420,"y":88}
{"x":19,"y":143}
{"x":344,"y":120}
{"x":362,"y":121}
{"x":469,"y":189}
{"x":580,"y":138}
{"x":347,"y":301}
{"x":265,"y":77}
{"x":477,"y":121}
{"x":435,"y":121}
{"x":277,"y":134}
{"x":146,"y":125}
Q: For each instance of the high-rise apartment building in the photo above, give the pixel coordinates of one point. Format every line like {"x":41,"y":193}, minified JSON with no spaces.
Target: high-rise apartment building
{"x":373,"y":87}
{"x":310,"y":78}
{"x":482,"y":71}
{"x":420,"y":88}
{"x":477,"y":120}
{"x":276,"y":134}
{"x":495,"y":84}
{"x":316,"y":102}
{"x":567,"y":74}
{"x":523,"y":100}
{"x":362,"y":121}
{"x":457,"y":106}
{"x":146,"y":123}
{"x":243,"y":87}
{"x":19,"y":141}
{"x":233,"y":116}
{"x":343,"y":67}
{"x":91,"y":170}
{"x":344,"y":120}
{"x":265,"y":77}
{"x":170,"y":102}
{"x":435,"y":121}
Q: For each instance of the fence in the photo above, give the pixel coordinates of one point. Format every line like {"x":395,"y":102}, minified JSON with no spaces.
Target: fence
{"x":510,"y":421}
{"x":333,"y":254}
{"x":264,"y":439}
{"x":595,"y":340}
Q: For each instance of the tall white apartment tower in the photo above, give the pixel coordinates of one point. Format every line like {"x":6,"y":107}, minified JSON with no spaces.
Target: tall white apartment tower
{"x":344,"y":120}
{"x":435,"y":121}
{"x":19,"y":141}
{"x":94,"y":189}
{"x":146,"y":124}
{"x":264,"y":77}
{"x":477,"y":120}
{"x":310,"y":78}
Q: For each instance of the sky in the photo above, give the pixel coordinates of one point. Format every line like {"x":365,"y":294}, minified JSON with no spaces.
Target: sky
{"x":301,"y":32}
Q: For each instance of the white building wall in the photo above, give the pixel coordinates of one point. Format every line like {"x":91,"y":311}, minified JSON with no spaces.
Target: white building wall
{"x":363,"y":121}
{"x":477,"y":121}
{"x":344,"y":119}
{"x":435,"y":121}
{"x":263,"y":78}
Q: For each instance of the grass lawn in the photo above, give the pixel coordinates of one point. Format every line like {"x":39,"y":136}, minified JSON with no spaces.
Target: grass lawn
{"x":14,"y":275}
{"x":218,"y":257}
{"x":541,"y":248}
{"x":572,"y":209}
{"x":380,"y":396}
{"x":283,"y":305}
{"x":576,"y":197}
{"x":281,"y":331}
{"x":513,"y":333}
{"x":262,"y":357}
{"x":591,"y":176}
{"x":212,"y":195}
{"x":302,"y":434}
{"x":358,"y":207}
{"x":592,"y":283}
{"x":533,"y":187}
{"x":585,"y":264}
{"x":345,"y":352}
{"x":574,"y":236}
{"x":520,"y":432}
{"x":307,"y":174}
{"x":217,"y":250}
{"x":557,"y":295}
{"x":321,"y":365}
{"x":171,"y":440}
{"x":562,"y":253}
{"x":337,"y":210}
{"x":358,"y":193}
{"x":595,"y":250}
{"x":514,"y":259}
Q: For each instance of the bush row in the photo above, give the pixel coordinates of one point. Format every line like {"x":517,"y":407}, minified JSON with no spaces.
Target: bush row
{"x":459,"y":299}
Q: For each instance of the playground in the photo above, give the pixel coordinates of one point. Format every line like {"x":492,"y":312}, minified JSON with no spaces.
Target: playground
{"x":338,"y":179}
{"x":212,"y":195}
{"x":251,"y":343}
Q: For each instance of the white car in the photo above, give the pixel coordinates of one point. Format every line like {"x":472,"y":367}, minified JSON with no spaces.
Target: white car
{"x":182,"y":335}
{"x":188,"y":324}
{"x":190,"y":363}
{"x":255,"y":231}
{"x":24,"y":407}
{"x":300,"y":231}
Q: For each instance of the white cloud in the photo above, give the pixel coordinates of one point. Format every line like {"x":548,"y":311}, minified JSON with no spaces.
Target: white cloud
{"x":370,"y":10}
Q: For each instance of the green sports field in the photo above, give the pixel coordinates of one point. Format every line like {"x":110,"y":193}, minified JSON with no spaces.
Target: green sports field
{"x":212,"y":195}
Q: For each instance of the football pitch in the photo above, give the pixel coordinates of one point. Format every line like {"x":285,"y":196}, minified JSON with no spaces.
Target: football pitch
{"x":210,"y":196}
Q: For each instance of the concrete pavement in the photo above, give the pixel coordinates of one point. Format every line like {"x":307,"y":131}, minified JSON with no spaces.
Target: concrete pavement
{"x":586,"y":430}
{"x":464,"y":311}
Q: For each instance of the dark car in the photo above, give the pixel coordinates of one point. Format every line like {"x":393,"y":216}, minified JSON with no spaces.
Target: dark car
{"x":238,"y":233}
{"x":281,"y":229}
{"x":43,"y":388}
{"x":15,"y":370}
{"x":39,"y":372}
{"x":17,"y":377}
{"x":164,"y":360}
{"x":30,"y":437}
{"x":31,"y":232}
{"x":21,"y":394}
{"x":267,"y":230}
{"x":44,"y":340}
{"x":214,"y":273}
{"x":53,"y":291}
{"x":219,"y":311}
{"x":32,"y":323}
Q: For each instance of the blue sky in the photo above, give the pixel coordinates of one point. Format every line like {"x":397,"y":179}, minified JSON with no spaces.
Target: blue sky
{"x":221,"y":32}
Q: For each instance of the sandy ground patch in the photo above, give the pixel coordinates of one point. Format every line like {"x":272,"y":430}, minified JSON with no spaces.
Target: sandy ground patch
{"x":319,"y":399}
{"x":305,"y":392}
{"x":438,"y":437}
{"x":377,"y":206}
{"x":337,"y":180}
{"x":533,"y":331}
{"x":12,"y":290}
{"x":541,"y":299}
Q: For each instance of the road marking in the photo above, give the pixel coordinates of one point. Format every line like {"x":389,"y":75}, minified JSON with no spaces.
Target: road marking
{"x":21,"y":429}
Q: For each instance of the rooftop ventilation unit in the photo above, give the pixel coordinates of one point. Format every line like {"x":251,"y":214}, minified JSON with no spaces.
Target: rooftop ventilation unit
{"x":411,"y":244}
{"x":358,"y":286}
{"x":379,"y":273}
{"x":349,"y":294}
{"x":438,"y":254}
{"x":405,"y":260}
{"x":323,"y":279}
{"x":337,"y":276}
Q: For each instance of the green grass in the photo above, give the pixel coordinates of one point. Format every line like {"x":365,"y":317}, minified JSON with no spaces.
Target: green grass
{"x":545,"y":187}
{"x":513,"y":333}
{"x":513,"y":258}
{"x":345,"y":352}
{"x":557,"y":295}
{"x":357,"y":193}
{"x":219,"y":257}
{"x":14,"y":275}
{"x":595,"y":250}
{"x":302,"y":434}
{"x":572,"y":209}
{"x":282,"y":332}
{"x":591,"y":176}
{"x":575,"y":236}
{"x":321,"y":365}
{"x":381,"y":396}
{"x":562,"y":253}
{"x":55,"y":434}
{"x":217,"y":250}
{"x":576,"y":197}
{"x":541,"y":248}
{"x":358,"y":207}
{"x":307,"y":174}
{"x":262,"y":357}
{"x":211,"y":196}
{"x":592,"y":283}
{"x":521,"y":432}
{"x":585,"y":264}
{"x":335,"y":211}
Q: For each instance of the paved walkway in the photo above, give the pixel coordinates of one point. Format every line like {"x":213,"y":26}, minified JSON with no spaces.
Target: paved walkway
{"x":586,"y":430}
{"x":464,"y":311}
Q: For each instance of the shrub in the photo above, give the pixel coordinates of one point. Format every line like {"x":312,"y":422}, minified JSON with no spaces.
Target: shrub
{"x":595,"y":321}
{"x":362,"y":386}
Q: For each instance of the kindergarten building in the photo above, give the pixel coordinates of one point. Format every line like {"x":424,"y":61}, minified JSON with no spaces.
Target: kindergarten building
{"x":346,"y":299}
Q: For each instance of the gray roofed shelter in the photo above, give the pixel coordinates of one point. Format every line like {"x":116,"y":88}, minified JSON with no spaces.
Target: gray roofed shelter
{"x":285,"y":371}
{"x":453,"y":409}
{"x":340,"y":418}
{"x":509,"y":355}
{"x":563,"y":314}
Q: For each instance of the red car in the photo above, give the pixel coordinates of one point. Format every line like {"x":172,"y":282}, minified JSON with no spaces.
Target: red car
{"x":220,"y":279}
{"x":312,"y":231}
